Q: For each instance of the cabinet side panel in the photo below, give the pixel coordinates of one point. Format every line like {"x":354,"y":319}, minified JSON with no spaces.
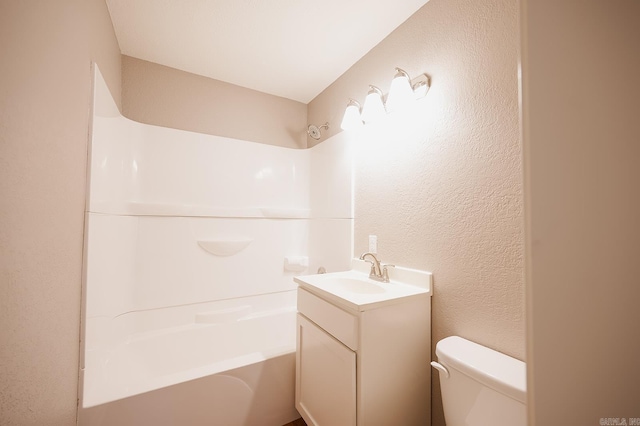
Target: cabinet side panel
{"x":394,"y":372}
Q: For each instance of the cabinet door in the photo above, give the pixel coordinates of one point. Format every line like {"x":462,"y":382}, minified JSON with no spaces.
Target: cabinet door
{"x":325,"y":377}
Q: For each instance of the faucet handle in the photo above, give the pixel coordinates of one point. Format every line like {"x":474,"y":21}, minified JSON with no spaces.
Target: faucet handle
{"x":385,"y":272}
{"x":372,"y":272}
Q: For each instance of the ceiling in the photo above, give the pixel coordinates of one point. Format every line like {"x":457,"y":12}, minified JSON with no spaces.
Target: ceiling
{"x":288,"y":48}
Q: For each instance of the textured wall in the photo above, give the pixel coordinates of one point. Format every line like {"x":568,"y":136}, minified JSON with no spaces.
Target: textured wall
{"x":155,"y":94}
{"x":581,"y":64}
{"x":442,"y":189}
{"x":46,"y":50}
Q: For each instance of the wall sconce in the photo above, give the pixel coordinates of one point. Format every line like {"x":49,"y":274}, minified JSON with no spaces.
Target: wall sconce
{"x":373,"y":108}
{"x":351,"y":119}
{"x":403,"y":91}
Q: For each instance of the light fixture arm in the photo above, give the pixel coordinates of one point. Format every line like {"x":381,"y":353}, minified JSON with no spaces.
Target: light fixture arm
{"x":376,"y":89}
{"x":421,"y":85}
{"x":401,"y":72}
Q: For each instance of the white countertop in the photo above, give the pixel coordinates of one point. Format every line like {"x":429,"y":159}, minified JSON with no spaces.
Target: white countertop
{"x":356,"y":291}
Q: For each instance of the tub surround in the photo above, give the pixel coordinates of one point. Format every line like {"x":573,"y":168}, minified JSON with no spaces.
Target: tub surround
{"x":194,"y":238}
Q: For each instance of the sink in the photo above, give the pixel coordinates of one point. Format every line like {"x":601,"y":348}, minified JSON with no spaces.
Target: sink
{"x":354,"y":290}
{"x":356,"y":285}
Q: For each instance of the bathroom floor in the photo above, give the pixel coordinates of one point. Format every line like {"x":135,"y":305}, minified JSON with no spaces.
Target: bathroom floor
{"x":298,"y":422}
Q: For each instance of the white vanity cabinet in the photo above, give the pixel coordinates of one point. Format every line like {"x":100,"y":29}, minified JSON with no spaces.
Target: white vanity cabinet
{"x":363,"y":363}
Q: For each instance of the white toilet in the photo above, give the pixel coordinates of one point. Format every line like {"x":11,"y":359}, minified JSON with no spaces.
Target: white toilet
{"x":480,"y":387}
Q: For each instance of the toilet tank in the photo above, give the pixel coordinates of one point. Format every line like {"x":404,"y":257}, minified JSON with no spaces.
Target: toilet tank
{"x":483,"y":387}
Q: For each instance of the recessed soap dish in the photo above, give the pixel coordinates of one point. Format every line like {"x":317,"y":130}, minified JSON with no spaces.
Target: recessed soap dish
{"x":224,"y":247}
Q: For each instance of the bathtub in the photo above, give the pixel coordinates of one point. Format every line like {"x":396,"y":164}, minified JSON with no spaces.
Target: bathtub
{"x":228,"y":363}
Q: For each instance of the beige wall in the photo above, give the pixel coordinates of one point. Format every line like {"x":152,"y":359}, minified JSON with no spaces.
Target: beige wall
{"x":581,"y":136}
{"x":450,"y":199}
{"x":46,"y":50}
{"x":155,"y":94}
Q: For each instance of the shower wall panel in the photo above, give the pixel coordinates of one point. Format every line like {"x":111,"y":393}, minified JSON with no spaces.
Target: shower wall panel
{"x":177,"y":218}
{"x":143,"y":169}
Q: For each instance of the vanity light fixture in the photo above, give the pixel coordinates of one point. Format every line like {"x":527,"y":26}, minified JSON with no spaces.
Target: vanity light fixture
{"x":403,"y":91}
{"x":351,"y":119}
{"x":373,"y":108}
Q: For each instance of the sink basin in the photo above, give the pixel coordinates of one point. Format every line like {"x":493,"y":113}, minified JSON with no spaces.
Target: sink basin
{"x":356,"y":285}
{"x":354,"y":289}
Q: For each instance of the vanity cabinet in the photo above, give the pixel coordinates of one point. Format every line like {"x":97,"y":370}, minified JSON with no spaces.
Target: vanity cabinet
{"x":363,"y":365}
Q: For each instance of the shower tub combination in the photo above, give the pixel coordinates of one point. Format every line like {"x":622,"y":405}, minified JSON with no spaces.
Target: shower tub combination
{"x":192,"y":242}
{"x":229,"y":366}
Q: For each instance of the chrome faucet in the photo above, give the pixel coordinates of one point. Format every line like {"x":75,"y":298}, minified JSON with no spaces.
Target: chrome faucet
{"x":377,"y":272}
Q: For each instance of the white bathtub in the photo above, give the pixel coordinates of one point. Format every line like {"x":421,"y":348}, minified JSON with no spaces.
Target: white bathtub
{"x":229,"y":366}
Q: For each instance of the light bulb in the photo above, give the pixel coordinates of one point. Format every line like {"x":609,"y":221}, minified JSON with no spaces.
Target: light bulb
{"x":373,"y":108}
{"x":351,"y":119}
{"x":401,"y":94}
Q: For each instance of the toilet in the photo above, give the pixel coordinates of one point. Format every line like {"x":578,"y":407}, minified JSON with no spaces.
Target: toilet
{"x":480,"y":387}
